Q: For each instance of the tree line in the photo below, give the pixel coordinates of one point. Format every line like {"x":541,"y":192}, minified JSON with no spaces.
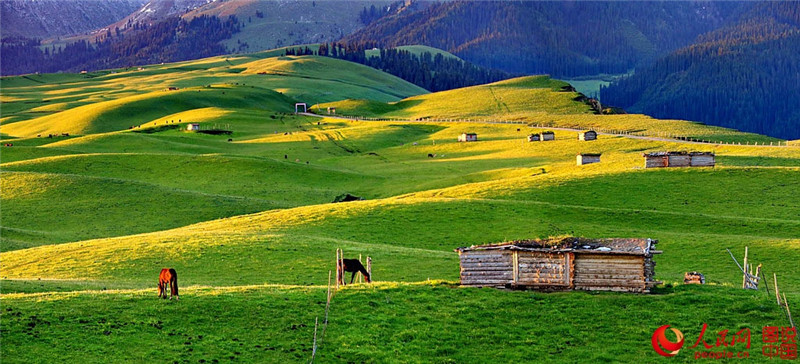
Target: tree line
{"x":170,"y":40}
{"x":426,"y":70}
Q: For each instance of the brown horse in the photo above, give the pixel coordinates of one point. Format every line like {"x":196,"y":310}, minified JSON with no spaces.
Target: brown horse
{"x":168,"y":277}
{"x":353,"y":265}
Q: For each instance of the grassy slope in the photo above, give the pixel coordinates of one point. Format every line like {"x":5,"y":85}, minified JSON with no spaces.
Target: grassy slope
{"x":532,"y":100}
{"x":419,"y":209}
{"x":416,"y":50}
{"x":389,"y":323}
{"x":104,"y":101}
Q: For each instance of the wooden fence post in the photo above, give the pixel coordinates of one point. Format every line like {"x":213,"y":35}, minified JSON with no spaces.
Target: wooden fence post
{"x":369,"y":268}
{"x":744,"y":263}
{"x":338,"y":269}
{"x":788,"y":313}
{"x":777,"y":295}
{"x":360,"y":276}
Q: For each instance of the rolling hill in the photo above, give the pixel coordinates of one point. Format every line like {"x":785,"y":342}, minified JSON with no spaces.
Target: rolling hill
{"x":248,"y":222}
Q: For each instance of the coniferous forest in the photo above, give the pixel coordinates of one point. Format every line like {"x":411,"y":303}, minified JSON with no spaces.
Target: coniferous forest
{"x":431,"y":72}
{"x":561,"y":38}
{"x":746,"y":76}
{"x":170,"y":40}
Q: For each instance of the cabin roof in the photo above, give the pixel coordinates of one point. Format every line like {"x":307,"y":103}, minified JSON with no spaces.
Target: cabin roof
{"x":663,"y":154}
{"x":623,"y":246}
{"x":547,"y":132}
{"x":589,"y":154}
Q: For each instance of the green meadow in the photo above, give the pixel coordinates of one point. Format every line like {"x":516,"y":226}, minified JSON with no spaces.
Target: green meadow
{"x":244,"y":211}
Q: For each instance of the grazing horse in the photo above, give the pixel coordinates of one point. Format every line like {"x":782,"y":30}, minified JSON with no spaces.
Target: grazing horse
{"x":352,"y":265}
{"x":168,"y":277}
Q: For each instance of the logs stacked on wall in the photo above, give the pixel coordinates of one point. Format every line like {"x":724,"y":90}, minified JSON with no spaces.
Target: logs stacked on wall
{"x":702,"y":160}
{"x":538,"y":268}
{"x":486,"y":268}
{"x":650,"y":266}
{"x":679,"y":159}
{"x":609,"y":272}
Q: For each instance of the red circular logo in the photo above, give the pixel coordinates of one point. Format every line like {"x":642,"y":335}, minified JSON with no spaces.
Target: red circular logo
{"x":660,"y":341}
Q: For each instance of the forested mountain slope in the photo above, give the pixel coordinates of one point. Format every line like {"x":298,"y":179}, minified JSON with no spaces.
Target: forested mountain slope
{"x":560,"y":38}
{"x":744,"y":76}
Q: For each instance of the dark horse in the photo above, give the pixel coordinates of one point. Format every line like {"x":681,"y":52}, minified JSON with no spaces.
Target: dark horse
{"x":168,"y":279}
{"x":353,"y":265}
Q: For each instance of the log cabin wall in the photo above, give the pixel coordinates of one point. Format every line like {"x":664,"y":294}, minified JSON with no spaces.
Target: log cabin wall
{"x":487,"y":268}
{"x":703,"y":160}
{"x":543,"y":269}
{"x":679,"y":160}
{"x":655,"y":161}
{"x":609,"y":272}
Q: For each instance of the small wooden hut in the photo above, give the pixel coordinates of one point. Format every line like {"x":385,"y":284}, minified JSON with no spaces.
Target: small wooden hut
{"x":468,"y":137}
{"x":702,"y":159}
{"x":588,"y":158}
{"x":534,"y":137}
{"x":587,"y":135}
{"x":678,"y":159}
{"x":331,"y":110}
{"x":193,"y":127}
{"x":548,"y":135}
{"x":623,"y":265}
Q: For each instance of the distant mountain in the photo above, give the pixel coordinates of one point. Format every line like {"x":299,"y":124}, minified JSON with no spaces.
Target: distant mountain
{"x":264,"y":24}
{"x":59,"y":18}
{"x":565,"y":39}
{"x":169,"y":40}
{"x":274,"y":24}
{"x":744,"y":76}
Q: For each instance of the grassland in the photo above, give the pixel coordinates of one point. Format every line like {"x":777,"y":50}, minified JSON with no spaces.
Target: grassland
{"x":536,"y":101}
{"x":89,"y":219}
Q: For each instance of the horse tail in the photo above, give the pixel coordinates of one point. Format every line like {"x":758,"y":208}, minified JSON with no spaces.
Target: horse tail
{"x":173,"y":283}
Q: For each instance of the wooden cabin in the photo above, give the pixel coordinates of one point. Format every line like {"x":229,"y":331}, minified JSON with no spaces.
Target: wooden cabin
{"x":548,"y":135}
{"x":678,"y":159}
{"x":468,"y":137}
{"x":534,"y":137}
{"x":588,"y":158}
{"x":587,"y":135}
{"x":622,"y":265}
{"x":331,"y":110}
{"x":702,"y":159}
{"x":193,"y":127}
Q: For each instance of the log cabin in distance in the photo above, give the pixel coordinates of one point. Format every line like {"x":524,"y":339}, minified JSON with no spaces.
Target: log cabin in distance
{"x":587,"y":135}
{"x":561,"y":264}
{"x":468,"y":137}
{"x":679,"y":159}
{"x":588,"y":158}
